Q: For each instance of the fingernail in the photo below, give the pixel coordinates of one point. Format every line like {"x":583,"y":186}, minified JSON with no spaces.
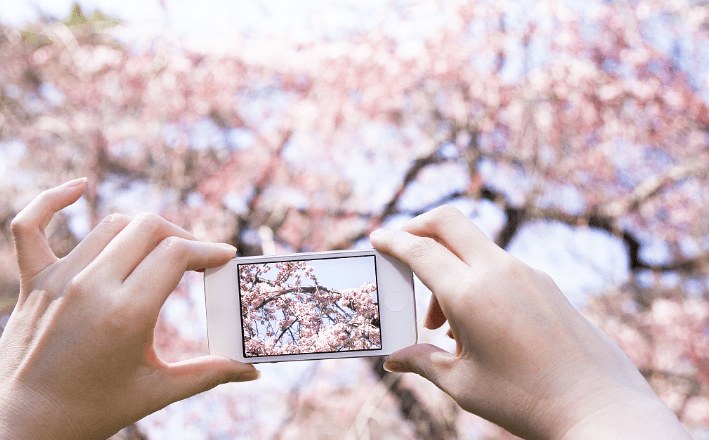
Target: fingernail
{"x":75,"y":182}
{"x":229,"y":247}
{"x":246,"y":377}
{"x":376,"y":233}
{"x":395,"y":367}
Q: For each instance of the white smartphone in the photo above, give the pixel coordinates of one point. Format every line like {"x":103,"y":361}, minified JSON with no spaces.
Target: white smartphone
{"x":310,"y":306}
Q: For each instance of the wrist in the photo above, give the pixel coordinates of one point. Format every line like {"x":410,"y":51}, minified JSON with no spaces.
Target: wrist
{"x":641,"y":417}
{"x":26,"y":414}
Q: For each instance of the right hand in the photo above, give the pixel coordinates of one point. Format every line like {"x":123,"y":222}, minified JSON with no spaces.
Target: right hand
{"x":525,"y":359}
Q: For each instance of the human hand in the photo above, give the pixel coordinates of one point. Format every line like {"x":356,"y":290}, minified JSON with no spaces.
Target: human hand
{"x":525,"y":358}
{"x":78,"y":360}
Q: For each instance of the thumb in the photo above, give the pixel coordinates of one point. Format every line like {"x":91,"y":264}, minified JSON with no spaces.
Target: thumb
{"x":201,"y":374}
{"x":426,"y":360}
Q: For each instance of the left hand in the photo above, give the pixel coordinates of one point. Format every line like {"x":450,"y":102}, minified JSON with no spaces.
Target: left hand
{"x":78,"y":360}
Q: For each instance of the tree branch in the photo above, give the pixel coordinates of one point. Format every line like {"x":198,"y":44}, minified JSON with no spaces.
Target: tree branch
{"x":652,"y":187}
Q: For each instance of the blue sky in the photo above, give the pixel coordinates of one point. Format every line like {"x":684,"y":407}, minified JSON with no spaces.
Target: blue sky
{"x":339,"y":273}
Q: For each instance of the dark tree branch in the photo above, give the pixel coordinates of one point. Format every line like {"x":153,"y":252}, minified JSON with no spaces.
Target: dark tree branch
{"x":286,"y":330}
{"x":311,"y":290}
{"x":515,"y":218}
{"x":390,"y":208}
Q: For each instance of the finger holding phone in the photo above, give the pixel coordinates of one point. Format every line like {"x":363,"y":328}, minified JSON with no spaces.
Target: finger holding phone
{"x":77,"y":353}
{"x":525,"y":358}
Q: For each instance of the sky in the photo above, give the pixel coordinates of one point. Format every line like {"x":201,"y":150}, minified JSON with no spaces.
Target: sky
{"x":216,"y":24}
{"x":338,"y":273}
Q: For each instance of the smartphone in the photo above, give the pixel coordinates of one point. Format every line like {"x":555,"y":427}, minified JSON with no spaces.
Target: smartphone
{"x":310,"y":306}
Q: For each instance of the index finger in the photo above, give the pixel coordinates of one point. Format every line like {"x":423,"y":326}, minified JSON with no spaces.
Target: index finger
{"x":134,"y":243}
{"x":435,"y":265}
{"x":455,"y":231}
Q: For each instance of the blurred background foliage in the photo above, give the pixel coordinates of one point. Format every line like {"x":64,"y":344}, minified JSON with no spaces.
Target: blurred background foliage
{"x":575,"y":134}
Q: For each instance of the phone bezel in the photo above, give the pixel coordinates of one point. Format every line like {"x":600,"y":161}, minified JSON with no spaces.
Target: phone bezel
{"x":224,"y":326}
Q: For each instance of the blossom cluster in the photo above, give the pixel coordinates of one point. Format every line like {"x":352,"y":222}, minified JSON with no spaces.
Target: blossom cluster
{"x":291,"y":313}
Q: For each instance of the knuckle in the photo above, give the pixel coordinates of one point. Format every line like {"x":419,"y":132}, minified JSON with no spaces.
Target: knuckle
{"x":115,"y":222}
{"x":421,"y":247}
{"x":438,"y":220}
{"x":45,"y":197}
{"x":33,"y":214}
{"x":19,"y":224}
{"x":542,"y":279}
{"x":445,"y":212}
{"x":149,"y":218}
{"x":513,"y":266}
{"x":525,"y":275}
{"x":78,"y":285}
{"x":116,"y":219}
{"x":174,"y":247}
{"x":149,"y":221}
{"x":522,"y":270}
{"x":541,"y":275}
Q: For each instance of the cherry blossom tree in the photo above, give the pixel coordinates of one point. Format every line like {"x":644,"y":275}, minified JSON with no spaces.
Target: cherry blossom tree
{"x":584,"y":117}
{"x":282,"y":314}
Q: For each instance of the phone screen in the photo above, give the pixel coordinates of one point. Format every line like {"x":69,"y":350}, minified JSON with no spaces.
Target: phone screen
{"x":309,"y":306}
